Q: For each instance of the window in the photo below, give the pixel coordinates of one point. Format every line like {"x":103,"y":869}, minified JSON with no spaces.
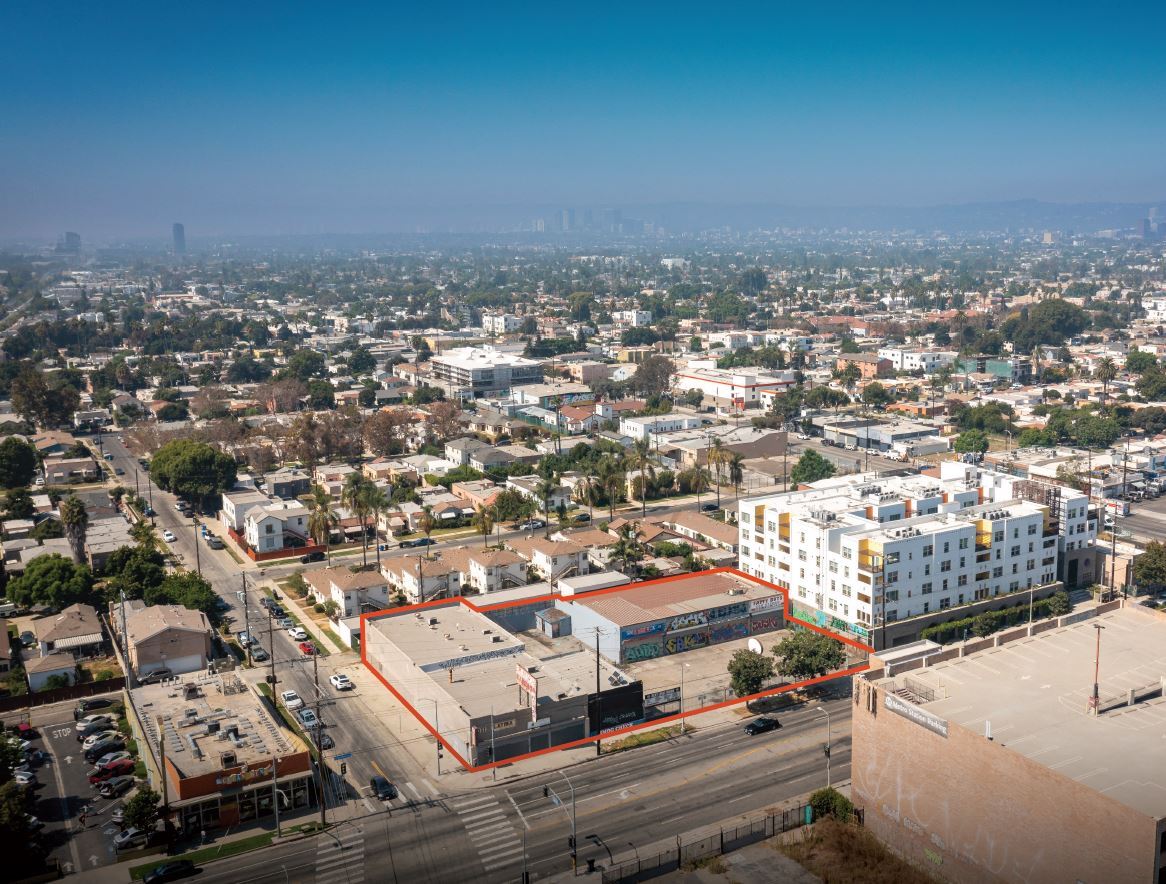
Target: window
{"x":963,"y":543}
{"x":1015,"y":551}
{"x":745,"y":517}
{"x":892,"y":576}
{"x":1031,"y":530}
{"x":927,"y":589}
{"x":945,"y":566}
{"x":892,"y":558}
{"x":893,"y":595}
{"x":962,"y":580}
{"x":946,"y":546}
{"x":269,"y":528}
{"x":998,"y":537}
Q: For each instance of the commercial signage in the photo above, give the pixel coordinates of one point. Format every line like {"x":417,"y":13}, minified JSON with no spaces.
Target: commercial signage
{"x":659,"y":698}
{"x":469,"y":659}
{"x":615,"y":708}
{"x":921,"y":717}
{"x":527,"y":688}
{"x":728,"y":612}
{"x":766,"y":604}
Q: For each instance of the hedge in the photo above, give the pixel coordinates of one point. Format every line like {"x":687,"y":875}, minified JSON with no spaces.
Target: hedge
{"x":830,"y":802}
{"x":992,"y":621}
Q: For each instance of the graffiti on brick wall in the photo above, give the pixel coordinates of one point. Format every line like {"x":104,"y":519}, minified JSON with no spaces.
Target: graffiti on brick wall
{"x":645,"y":651}
{"x":726,"y":632}
{"x":766,"y":624}
{"x":676,"y":644}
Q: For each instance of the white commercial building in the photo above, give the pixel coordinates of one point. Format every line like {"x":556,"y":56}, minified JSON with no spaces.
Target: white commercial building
{"x":732,"y":389}
{"x":647,"y":426}
{"x":927,"y":361}
{"x":859,"y":553}
{"x":473,"y":372}
{"x":501,"y":323}
{"x":633,"y":318}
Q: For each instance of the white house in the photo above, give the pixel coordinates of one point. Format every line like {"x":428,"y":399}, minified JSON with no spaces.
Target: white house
{"x":264,"y":526}
{"x":528,"y":486}
{"x":236,"y":504}
{"x":353,"y":592}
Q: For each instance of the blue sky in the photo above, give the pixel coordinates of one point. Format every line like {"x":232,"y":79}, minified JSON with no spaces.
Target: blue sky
{"x":117,"y":119}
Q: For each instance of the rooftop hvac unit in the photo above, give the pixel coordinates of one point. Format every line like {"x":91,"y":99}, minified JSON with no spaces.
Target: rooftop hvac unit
{"x":464,"y":647}
{"x":496,"y":639}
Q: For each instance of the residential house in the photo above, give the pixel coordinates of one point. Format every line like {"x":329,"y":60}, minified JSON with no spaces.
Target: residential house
{"x":459,"y":451}
{"x":76,"y":629}
{"x":288,"y":483}
{"x":529,"y":486}
{"x":869,"y":365}
{"x":265,"y":527}
{"x":478,"y":493}
{"x":702,"y":529}
{"x":482,"y":459}
{"x":353,"y":592}
{"x":167,"y":637}
{"x":236,"y":504}
{"x":420,"y":579}
{"x":70,"y":469}
{"x":40,"y":669}
{"x":552,"y":559}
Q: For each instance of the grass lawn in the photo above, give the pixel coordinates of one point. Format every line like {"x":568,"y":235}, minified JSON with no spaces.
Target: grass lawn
{"x":206,"y":854}
{"x":335,"y":639}
{"x":845,"y":854}
{"x":320,"y":649}
{"x":644,"y":738}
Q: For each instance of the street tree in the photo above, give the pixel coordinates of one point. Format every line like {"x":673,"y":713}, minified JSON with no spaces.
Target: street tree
{"x":971,"y":442}
{"x":748,"y":671}
{"x":1150,"y":566}
{"x":483,"y":521}
{"x":807,"y":654}
{"x":193,"y":470}
{"x":75,"y":519}
{"x":141,"y":811}
{"x":876,"y":395}
{"x":653,"y":376}
{"x":53,"y":581}
{"x":321,"y":519}
{"x":18,"y":462}
{"x":811,"y":467}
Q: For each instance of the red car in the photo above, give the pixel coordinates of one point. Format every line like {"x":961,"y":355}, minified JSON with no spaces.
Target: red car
{"x":118,"y":768}
{"x":307,"y":649}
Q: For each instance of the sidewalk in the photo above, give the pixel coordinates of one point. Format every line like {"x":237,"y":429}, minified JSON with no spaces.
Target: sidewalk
{"x":291,"y":603}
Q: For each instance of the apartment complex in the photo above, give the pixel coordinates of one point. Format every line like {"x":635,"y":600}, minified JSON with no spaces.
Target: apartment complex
{"x":733,"y":390}
{"x":473,"y":372}
{"x":882,"y":558}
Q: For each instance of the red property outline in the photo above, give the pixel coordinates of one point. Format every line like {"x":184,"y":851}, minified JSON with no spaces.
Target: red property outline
{"x":656,"y":722}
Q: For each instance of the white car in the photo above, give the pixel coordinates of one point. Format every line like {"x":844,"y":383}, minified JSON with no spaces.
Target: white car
{"x":168,"y":536}
{"x":341,"y":682}
{"x":24,"y":778}
{"x":291,"y":700}
{"x":307,"y":718}
{"x":297,"y":633}
{"x":92,"y":741}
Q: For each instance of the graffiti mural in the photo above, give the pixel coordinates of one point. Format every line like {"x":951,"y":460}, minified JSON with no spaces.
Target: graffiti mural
{"x":728,"y":612}
{"x":642,"y":651}
{"x":726,"y":632}
{"x":767,"y":623}
{"x":687,"y":621}
{"x":675,"y":644}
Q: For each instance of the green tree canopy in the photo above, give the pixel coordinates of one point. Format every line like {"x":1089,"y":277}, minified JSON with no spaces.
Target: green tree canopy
{"x":304,"y":365}
{"x":876,"y":395}
{"x":748,"y":671}
{"x":807,"y":654}
{"x":18,"y":461}
{"x":1138,"y":361}
{"x":811,"y":467}
{"x":971,"y":442}
{"x":141,"y":811}
{"x":1150,"y":566}
{"x":192,"y":470}
{"x":52,"y":580}
{"x":654,"y":376}
{"x":184,"y":588}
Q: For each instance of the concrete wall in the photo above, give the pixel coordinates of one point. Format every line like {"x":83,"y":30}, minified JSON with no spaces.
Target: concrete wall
{"x":970,"y":810}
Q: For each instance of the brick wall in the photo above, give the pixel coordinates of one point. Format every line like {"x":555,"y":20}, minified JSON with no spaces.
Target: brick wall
{"x":970,"y":810}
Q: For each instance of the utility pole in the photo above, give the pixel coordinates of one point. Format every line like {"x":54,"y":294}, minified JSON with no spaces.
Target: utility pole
{"x":826,"y":748}
{"x":598,"y":699}
{"x":197,"y":556}
{"x":319,"y":731}
{"x":1095,"y":700}
{"x":162,"y":773}
{"x":274,"y":699}
{"x":247,"y":619}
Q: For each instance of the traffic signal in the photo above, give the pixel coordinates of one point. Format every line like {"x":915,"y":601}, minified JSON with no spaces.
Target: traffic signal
{"x":343,"y":768}
{"x":826,"y":750}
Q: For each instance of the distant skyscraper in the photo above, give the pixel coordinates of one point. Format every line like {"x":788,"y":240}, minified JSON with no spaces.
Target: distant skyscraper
{"x":70,"y":244}
{"x":612,"y":220}
{"x":1147,"y":229}
{"x":179,"y":232}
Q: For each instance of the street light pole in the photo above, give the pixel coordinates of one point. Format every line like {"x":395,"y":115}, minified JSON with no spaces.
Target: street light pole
{"x":1095,"y":700}
{"x":828,"y":738}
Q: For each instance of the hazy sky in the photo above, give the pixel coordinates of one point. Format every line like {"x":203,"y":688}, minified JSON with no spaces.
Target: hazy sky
{"x":118,"y":118}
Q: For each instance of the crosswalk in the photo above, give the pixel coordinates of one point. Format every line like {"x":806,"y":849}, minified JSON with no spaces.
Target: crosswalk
{"x":490,"y":830}
{"x":340,"y":858}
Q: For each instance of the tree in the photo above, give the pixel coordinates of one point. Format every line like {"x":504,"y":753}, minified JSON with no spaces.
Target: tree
{"x":735,"y":470}
{"x":876,"y":395}
{"x":445,"y":420}
{"x":305,"y":365}
{"x":321,"y":519}
{"x":141,"y":811}
{"x":376,"y":502}
{"x":971,"y":442}
{"x":824,"y":397}
{"x":247,"y":370}
{"x":1034,"y":438}
{"x":1150,"y":566}
{"x":512,"y":506}
{"x":547,"y":486}
{"x":321,"y":395}
{"x":75,"y":519}
{"x":587,"y":491}
{"x":483,"y":520}
{"x":353,"y":496}
{"x":426,"y":522}
{"x":654,"y":376}
{"x":361,"y":361}
{"x":184,"y":588}
{"x":41,"y":403}
{"x":135,"y":570}
{"x":1059,"y":604}
{"x":386,"y":430}
{"x":807,"y":654}
{"x":192,"y":470}
{"x":1050,"y":322}
{"x":22,"y":850}
{"x":811,"y":467}
{"x":53,"y":581}
{"x":748,"y":671}
{"x":18,"y":504}
{"x":641,"y":457}
{"x":1138,"y":361}
{"x":18,"y":462}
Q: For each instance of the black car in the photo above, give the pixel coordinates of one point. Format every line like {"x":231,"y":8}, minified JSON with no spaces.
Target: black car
{"x":115,"y":787}
{"x":171,"y":871}
{"x":708,"y":507}
{"x":316,"y":556}
{"x":761,"y":725}
{"x":420,"y":541}
{"x":382,"y":788}
{"x":105,"y":746}
{"x":583,"y":517}
{"x":88,"y":707}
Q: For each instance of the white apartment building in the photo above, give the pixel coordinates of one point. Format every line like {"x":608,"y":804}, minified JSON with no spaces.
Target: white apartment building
{"x":927,"y":361}
{"x":500,"y":323}
{"x":731,"y":389}
{"x":647,"y":426}
{"x":632,"y":318}
{"x":856,"y":553}
{"x":473,"y":372}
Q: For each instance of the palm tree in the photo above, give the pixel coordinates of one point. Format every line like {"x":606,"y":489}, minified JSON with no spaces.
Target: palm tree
{"x":585,"y":491}
{"x":716,"y":461}
{"x":735,"y":468}
{"x":700,"y":479}
{"x":627,"y":546}
{"x":546,"y":488}
{"x":377,"y":502}
{"x":483,"y":520}
{"x":75,"y":518}
{"x":144,"y":536}
{"x":1106,"y":372}
{"x":352,"y":495}
{"x":426,"y":522}
{"x":321,"y":519}
{"x":611,"y":487}
{"x":642,"y":458}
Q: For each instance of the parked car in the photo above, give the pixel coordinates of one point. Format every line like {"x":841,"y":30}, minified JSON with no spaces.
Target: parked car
{"x":382,"y":788}
{"x":149,"y":511}
{"x":761,"y":726}
{"x":24,"y":778}
{"x":258,"y":654}
{"x":27,"y":639}
{"x":99,"y":775}
{"x":214,"y":541}
{"x":532,"y":524}
{"x":155,"y":676}
{"x":292,"y":700}
{"x":168,"y":536}
{"x":307,"y":648}
{"x":105,"y":747}
{"x":415,"y":542}
{"x":35,"y":824}
{"x":94,"y":718}
{"x":322,"y":740}
{"x":266,"y":601}
{"x":582,"y":518}
{"x":316,"y":556}
{"x":297,"y":633}
{"x":307,"y":718}
{"x":87,"y":706}
{"x":112,"y":758}
{"x":244,"y":638}
{"x":99,"y":737}
{"x":105,"y":723}
{"x":277,"y":611}
{"x":115,"y":787}
{"x":171,"y":871}
{"x":284,"y":623}
{"x":341,"y":682}
{"x":128,"y":839}
{"x":708,"y":507}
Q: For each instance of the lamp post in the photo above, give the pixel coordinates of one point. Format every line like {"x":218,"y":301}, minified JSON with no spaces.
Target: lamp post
{"x":683,"y":729}
{"x":548,"y":792}
{"x":827,"y":748}
{"x":1095,"y":700}
{"x":437,"y":732}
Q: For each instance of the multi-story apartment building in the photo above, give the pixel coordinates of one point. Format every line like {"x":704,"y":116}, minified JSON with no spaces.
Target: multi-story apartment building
{"x":473,"y":372}
{"x":883,"y":558}
{"x":501,"y":323}
{"x":732,"y":390}
{"x":632,"y":318}
{"x":926,"y":361}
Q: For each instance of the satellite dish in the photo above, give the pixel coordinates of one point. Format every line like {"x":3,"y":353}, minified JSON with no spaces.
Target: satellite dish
{"x":755,"y":646}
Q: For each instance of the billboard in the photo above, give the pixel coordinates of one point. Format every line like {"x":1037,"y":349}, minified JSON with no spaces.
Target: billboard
{"x":527,"y":689}
{"x":616,"y":708}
